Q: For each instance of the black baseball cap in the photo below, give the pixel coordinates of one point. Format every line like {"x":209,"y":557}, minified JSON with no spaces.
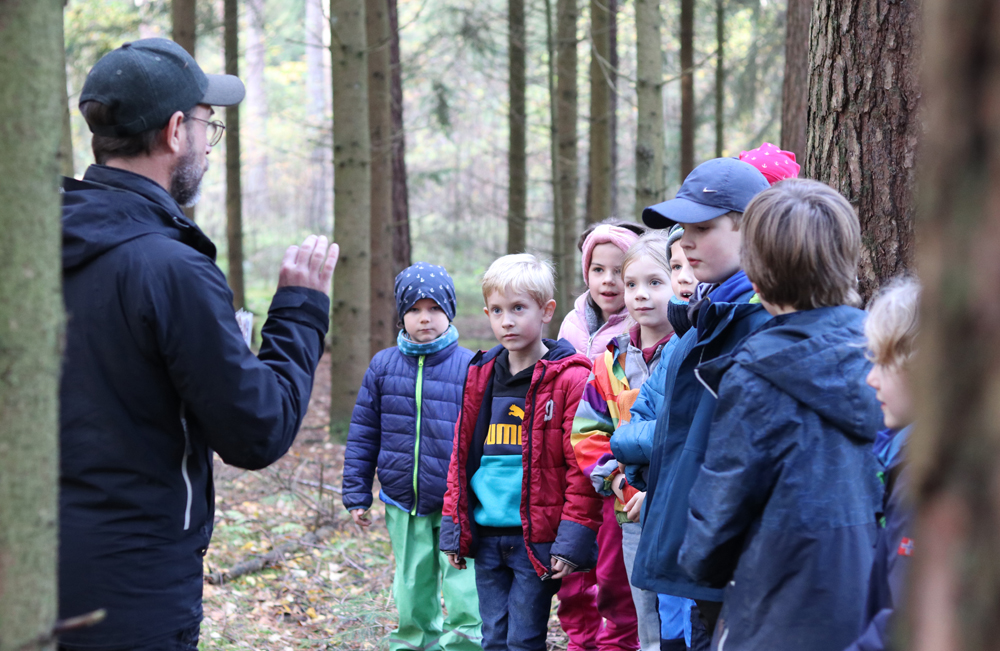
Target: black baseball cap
{"x":145,"y":82}
{"x":712,"y":189}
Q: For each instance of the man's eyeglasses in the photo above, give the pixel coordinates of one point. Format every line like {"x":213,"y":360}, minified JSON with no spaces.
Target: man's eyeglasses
{"x":213,"y":131}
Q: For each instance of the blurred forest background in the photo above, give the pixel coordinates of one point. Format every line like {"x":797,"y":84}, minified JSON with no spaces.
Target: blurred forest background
{"x":455,"y":108}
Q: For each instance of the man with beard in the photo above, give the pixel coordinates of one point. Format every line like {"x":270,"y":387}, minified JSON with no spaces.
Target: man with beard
{"x":156,"y":374}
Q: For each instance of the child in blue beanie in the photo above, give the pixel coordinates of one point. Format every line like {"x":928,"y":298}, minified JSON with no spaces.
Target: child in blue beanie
{"x":403,"y":425}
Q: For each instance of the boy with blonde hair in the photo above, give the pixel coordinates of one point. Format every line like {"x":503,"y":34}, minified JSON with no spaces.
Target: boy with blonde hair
{"x":782,"y":514}
{"x":516,"y":500}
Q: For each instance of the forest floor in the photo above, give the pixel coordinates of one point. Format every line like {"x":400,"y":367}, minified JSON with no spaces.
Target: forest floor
{"x":331,"y":591}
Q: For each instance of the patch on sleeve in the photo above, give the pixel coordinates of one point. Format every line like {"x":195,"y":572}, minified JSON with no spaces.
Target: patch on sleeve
{"x":905,"y":547}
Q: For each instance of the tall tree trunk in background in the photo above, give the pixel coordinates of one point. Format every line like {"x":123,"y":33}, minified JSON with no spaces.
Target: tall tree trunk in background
{"x":720,"y":77}
{"x":349,"y":330}
{"x":687,"y":87}
{"x":863,"y":126}
{"x":955,"y":450}
{"x":517,"y":156}
{"x":613,"y":100}
{"x":400,"y":198}
{"x":566,"y":96}
{"x":234,"y":197}
{"x":66,"y":143}
{"x":557,"y":228}
{"x":258,"y":196}
{"x":317,"y":114}
{"x":184,"y":25}
{"x":383,"y":305}
{"x":599,"y":168}
{"x":649,"y":139}
{"x":795,"y":93}
{"x":31,"y":320}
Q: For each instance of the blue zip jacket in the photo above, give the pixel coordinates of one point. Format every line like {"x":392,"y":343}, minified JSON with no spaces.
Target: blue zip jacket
{"x":411,"y":455}
{"x":783,"y":511}
{"x":887,"y":583}
{"x":681,"y":436}
{"x":632,"y":443}
{"x":156,"y":376}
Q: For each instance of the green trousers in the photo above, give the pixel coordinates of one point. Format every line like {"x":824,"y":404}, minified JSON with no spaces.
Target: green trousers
{"x":423,"y":576}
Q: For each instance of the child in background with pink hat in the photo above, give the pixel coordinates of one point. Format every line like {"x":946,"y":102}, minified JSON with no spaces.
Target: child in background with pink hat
{"x":606,"y":620}
{"x":774,"y":163}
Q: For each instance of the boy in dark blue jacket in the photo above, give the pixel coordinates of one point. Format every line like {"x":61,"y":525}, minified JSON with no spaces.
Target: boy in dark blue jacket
{"x":710,"y":204}
{"x":403,"y":424}
{"x":782,"y":512}
{"x":891,"y":330}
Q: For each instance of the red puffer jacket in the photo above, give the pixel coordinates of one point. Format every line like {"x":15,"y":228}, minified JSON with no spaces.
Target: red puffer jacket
{"x":560,"y":511}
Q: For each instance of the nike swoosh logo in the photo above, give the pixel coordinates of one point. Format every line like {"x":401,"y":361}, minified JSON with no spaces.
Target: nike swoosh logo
{"x":707,"y":190}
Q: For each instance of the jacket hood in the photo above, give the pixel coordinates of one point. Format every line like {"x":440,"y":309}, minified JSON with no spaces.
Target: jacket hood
{"x":110,"y":207}
{"x":815,"y":356}
{"x":561,"y":353}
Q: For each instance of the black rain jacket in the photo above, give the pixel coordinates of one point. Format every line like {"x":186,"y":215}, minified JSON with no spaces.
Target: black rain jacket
{"x":156,"y":376}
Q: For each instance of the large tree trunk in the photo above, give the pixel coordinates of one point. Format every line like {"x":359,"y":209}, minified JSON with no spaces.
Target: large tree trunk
{"x":566,"y":97}
{"x":234,"y":197}
{"x":599,"y":167}
{"x":863,"y":125}
{"x":184,"y":25}
{"x":517,"y":157}
{"x":400,"y":198}
{"x":317,"y":113}
{"x":649,"y":141}
{"x":795,"y":93}
{"x":66,"y":143}
{"x":258,"y":196}
{"x":383,"y":305}
{"x":557,"y":238}
{"x":31,"y":320}
{"x":955,"y":451}
{"x":720,"y":77}
{"x":687,"y":87}
{"x":349,"y":330}
{"x":613,"y":100}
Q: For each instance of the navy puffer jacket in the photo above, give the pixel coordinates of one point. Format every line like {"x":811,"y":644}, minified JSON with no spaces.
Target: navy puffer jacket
{"x":783,"y":511}
{"x":404,"y":424}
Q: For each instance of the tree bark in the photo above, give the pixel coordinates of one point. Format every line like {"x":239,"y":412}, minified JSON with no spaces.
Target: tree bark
{"x":650,"y":181}
{"x":234,"y":197}
{"x":613,"y":100}
{"x":31,"y":320}
{"x":687,"y":88}
{"x":349,"y":331}
{"x":795,"y":93}
{"x":66,"y":143}
{"x":383,"y":305}
{"x":566,"y":115}
{"x":400,"y":196}
{"x":557,"y":237}
{"x":599,"y":167}
{"x":863,"y":125}
{"x":184,"y":23}
{"x":258,"y":196}
{"x":317,"y":112}
{"x":720,"y":77}
{"x":517,"y":157}
{"x":955,"y":450}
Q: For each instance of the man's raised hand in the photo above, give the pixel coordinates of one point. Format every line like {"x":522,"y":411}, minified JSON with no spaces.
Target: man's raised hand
{"x":310,"y":265}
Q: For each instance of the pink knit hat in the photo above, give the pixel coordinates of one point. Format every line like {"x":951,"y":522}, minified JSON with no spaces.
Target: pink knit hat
{"x":623,"y":238}
{"x":772,"y":162}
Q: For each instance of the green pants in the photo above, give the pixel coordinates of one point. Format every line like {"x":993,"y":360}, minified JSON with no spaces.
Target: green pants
{"x":423,"y":576}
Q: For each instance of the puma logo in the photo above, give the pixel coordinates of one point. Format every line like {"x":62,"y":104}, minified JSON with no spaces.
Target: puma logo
{"x":516,"y":412}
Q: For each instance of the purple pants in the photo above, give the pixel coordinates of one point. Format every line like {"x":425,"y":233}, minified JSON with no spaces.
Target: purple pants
{"x":595,"y":608}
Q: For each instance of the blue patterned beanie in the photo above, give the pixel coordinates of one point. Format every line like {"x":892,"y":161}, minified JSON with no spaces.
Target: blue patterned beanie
{"x":424,"y":280}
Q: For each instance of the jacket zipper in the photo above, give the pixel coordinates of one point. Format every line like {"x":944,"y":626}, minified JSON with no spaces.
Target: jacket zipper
{"x":416,"y":448}
{"x":534,"y":407}
{"x":184,"y":470}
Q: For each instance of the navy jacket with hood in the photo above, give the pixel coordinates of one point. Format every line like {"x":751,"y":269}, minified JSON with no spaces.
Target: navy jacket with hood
{"x":681,"y":437}
{"x":156,"y":376}
{"x":783,"y":511}
{"x":412,"y":455}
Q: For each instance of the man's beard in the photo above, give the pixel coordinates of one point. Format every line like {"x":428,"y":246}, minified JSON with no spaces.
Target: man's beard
{"x":185,"y":180}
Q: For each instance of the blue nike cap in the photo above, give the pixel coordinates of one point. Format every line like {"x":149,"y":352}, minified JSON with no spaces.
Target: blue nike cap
{"x":712,"y":189}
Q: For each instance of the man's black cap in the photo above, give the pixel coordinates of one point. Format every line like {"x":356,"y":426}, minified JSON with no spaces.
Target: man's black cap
{"x":145,"y":82}
{"x":714,"y":188}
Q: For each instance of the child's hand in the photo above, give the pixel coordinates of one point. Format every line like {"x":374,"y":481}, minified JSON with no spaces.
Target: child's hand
{"x":560,"y":569}
{"x":456,"y":562}
{"x":618,"y":487}
{"x":361,"y":518}
{"x":634,"y":507}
